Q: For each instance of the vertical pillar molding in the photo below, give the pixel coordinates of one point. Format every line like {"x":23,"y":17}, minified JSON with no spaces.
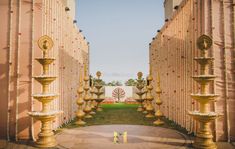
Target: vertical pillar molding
{"x":32,"y":66}
{"x":233,"y":35}
{"x":18,"y":66}
{"x":210,"y":29}
{"x":9,"y":69}
{"x":225,"y":49}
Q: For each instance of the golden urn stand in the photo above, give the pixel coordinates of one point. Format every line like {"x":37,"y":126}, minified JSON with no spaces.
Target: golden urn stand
{"x":204,"y":137}
{"x":46,"y":115}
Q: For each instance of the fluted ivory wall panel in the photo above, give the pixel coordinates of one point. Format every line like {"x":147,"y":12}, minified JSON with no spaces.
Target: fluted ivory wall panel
{"x":23,"y":22}
{"x":172,"y":52}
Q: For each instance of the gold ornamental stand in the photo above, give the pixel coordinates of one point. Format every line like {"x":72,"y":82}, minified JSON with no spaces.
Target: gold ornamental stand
{"x":93,"y":102}
{"x":149,"y":96}
{"x":80,"y":114}
{"x":204,"y":137}
{"x":144,"y":97}
{"x":158,"y":113}
{"x":87,"y":98}
{"x":46,"y":136}
{"x":98,"y":91}
{"x":140,"y":92}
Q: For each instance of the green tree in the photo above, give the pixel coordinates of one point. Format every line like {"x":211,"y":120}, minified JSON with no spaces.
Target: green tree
{"x":131,"y":82}
{"x":102,"y":82}
{"x":114,"y":83}
{"x":118,"y":83}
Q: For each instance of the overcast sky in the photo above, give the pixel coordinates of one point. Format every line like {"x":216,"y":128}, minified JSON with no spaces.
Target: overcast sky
{"x":119,"y":32}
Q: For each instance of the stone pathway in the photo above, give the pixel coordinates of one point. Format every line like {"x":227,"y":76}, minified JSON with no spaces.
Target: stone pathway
{"x":101,"y":137}
{"x":139,"y":137}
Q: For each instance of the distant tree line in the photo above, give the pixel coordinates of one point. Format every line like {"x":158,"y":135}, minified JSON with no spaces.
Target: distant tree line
{"x":133,"y":82}
{"x":114,"y":83}
{"x":129,"y":82}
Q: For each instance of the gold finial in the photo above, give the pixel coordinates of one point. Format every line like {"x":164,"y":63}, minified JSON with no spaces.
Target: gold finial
{"x":204,"y":42}
{"x":98,"y":74}
{"x":45,"y":43}
{"x":139,"y":74}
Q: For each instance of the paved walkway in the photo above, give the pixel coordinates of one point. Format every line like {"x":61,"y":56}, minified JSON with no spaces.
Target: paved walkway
{"x":101,"y":137}
{"x":139,"y":137}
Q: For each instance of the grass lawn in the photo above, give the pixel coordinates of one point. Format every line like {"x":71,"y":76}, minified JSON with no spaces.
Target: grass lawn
{"x":121,"y":113}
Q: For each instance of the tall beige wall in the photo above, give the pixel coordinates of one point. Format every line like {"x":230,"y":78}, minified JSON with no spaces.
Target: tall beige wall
{"x":4,"y":68}
{"x":23,"y":22}
{"x":71,"y":4}
{"x":172,"y":52}
{"x":169,"y":6}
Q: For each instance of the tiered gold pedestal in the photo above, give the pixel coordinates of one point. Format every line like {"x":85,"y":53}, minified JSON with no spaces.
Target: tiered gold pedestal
{"x":46,"y":115}
{"x":145,"y":102}
{"x":80,"y":114}
{"x":158,"y":112}
{"x":98,"y":91}
{"x":92,"y":98}
{"x":149,"y":97}
{"x":87,"y":109}
{"x":204,"y":137}
{"x":140,"y":92}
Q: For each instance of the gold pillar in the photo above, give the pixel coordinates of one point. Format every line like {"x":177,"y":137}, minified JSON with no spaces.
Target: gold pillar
{"x":140,"y":92}
{"x":158,"y":112}
{"x":145,"y":100}
{"x":87,"y":108}
{"x":149,"y":96}
{"x":93,"y":102}
{"x":204,"y":137}
{"x":80,"y":114}
{"x":98,"y":91}
{"x":46,"y":136}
